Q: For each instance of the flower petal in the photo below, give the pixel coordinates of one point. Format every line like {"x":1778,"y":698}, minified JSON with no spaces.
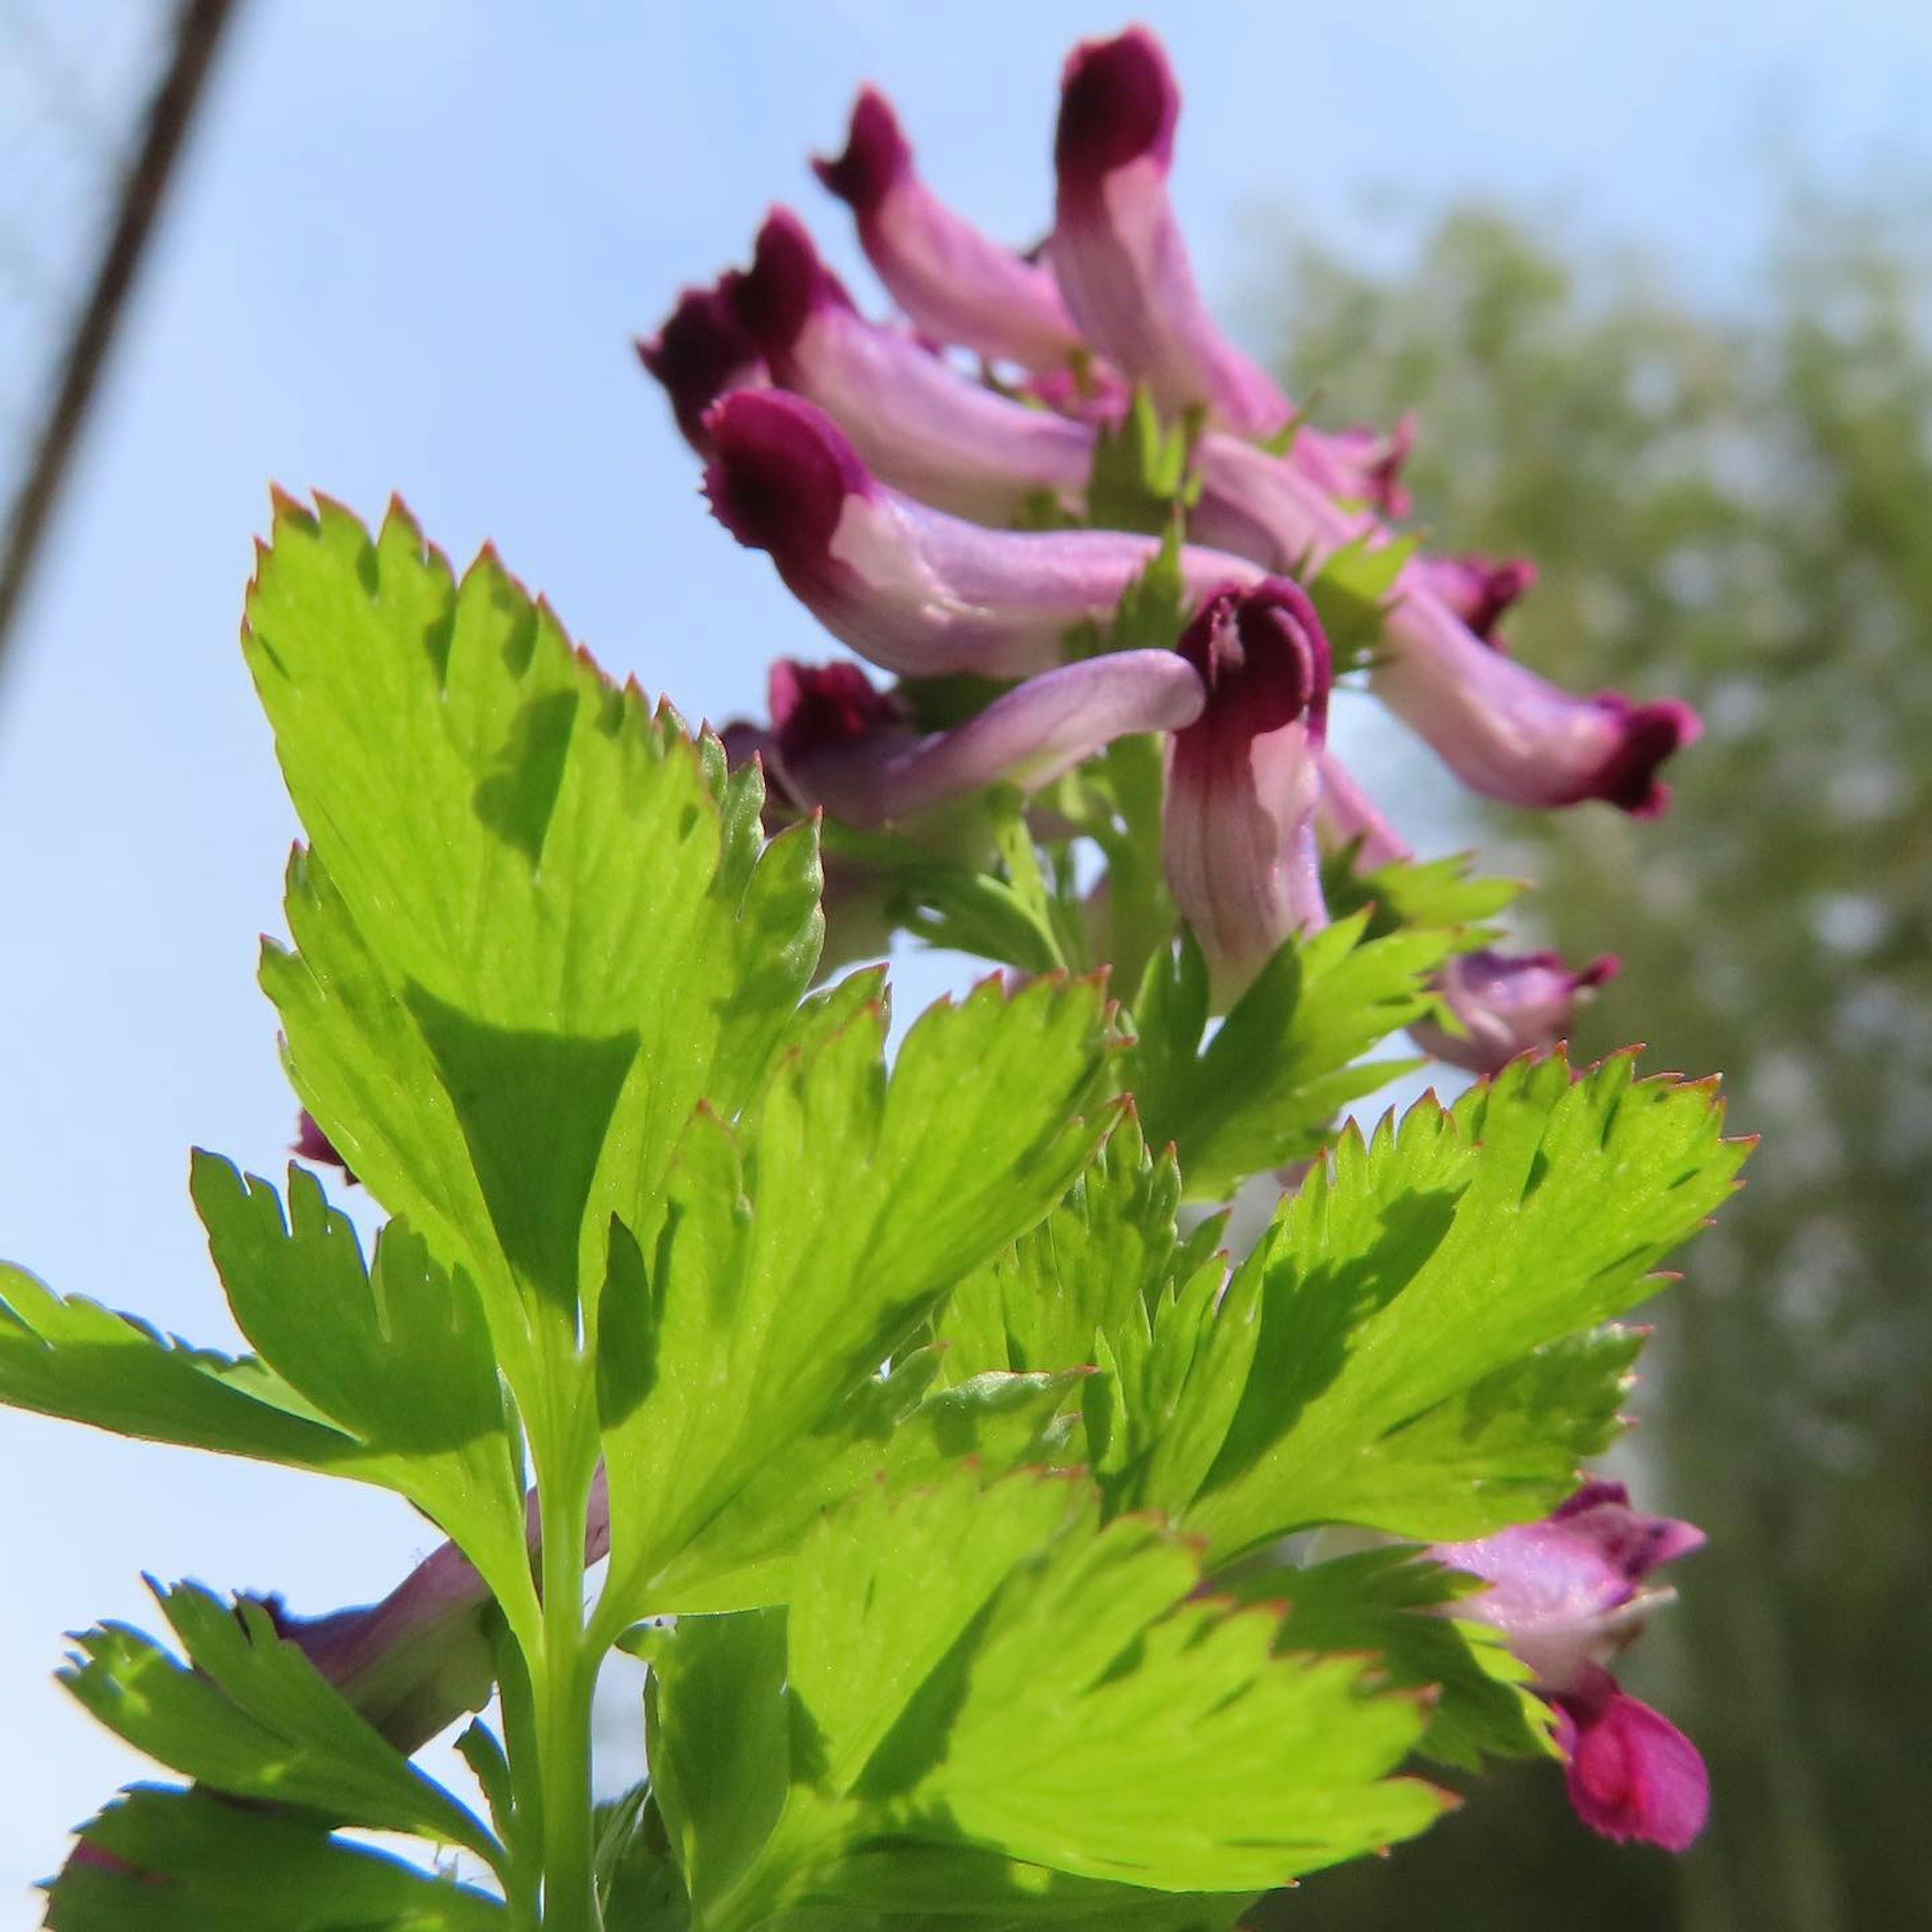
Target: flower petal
{"x":414,"y":1663}
{"x":1478,"y":589}
{"x":702,"y":351}
{"x":1238,"y":830}
{"x":919,"y":424}
{"x":1508,"y":734}
{"x":914,"y":590}
{"x":1565,"y":1590}
{"x":1633,"y":1774}
{"x":957,"y":285}
{"x":841,"y":744}
{"x":1508,"y":1004}
{"x":1117,"y":250}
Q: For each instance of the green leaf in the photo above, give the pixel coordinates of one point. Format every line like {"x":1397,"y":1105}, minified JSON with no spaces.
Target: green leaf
{"x":397,"y":1355}
{"x":1350,"y":590}
{"x":1383,"y":1331}
{"x":796,"y":1255}
{"x":72,"y":1358}
{"x":1265,"y":1090}
{"x":1439,"y":892}
{"x":1108,"y":1249}
{"x":637,"y":1881}
{"x":254,"y":1718}
{"x":1389,"y":1601}
{"x":905,"y":1887}
{"x":943,"y":902}
{"x":1141,"y":475}
{"x":720,"y":1755}
{"x":195,"y":1863}
{"x":988,"y":1670}
{"x":524,"y":896}
{"x":894,"y":1428}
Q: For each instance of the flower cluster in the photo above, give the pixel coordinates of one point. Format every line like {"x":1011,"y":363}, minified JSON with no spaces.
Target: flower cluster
{"x":1568,"y":1594}
{"x":900,"y":492}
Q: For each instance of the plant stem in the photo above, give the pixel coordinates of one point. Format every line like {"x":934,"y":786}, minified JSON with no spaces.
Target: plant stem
{"x":563,"y":1681}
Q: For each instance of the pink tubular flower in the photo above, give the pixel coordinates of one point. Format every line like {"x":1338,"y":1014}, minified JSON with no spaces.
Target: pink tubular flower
{"x":1238,"y":831}
{"x":415,"y":1662}
{"x":702,"y":351}
{"x":1503,"y":731}
{"x":914,"y":590}
{"x":1507,"y":733}
{"x":1508,"y":1005}
{"x":839,"y":743}
{"x":1566,"y":1592}
{"x":1117,"y":250}
{"x":955,"y":284}
{"x":1477,"y":590}
{"x":918,"y":423}
{"x":1122,"y":264}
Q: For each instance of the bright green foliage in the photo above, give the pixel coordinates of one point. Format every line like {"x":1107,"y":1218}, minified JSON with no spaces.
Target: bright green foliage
{"x":796,"y":1253}
{"x":969,"y":1670}
{"x":1265,"y":1089}
{"x":897,"y":1426}
{"x":1439,"y":892}
{"x":961,"y":1469}
{"x":71,"y":1358}
{"x":523,"y":897}
{"x":1417,"y":1269}
{"x":255,"y":1719}
{"x":1142,"y":470}
{"x":222,"y":1869}
{"x":1350,"y":591}
{"x":1387,"y":1603}
{"x":396,"y":1354}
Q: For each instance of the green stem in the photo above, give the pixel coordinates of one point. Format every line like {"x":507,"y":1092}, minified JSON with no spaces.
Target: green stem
{"x":563,"y":1681}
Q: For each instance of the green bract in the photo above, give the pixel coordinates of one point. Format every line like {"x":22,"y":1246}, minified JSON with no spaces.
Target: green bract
{"x":944,"y":1476}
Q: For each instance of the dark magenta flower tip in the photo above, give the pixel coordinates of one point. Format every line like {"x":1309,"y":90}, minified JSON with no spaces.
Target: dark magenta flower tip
{"x":1118,"y":101}
{"x":1480,"y":590}
{"x":820,"y":708}
{"x":702,"y":351}
{"x":1237,"y":832}
{"x":1650,"y":733}
{"x":1263,"y":658}
{"x":876,"y":154}
{"x":780,"y":474}
{"x":1631,"y":1773}
{"x":311,"y":1143}
{"x":775,"y":298}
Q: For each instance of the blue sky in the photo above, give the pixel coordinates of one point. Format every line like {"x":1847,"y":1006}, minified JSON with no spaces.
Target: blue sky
{"x":407,"y":253}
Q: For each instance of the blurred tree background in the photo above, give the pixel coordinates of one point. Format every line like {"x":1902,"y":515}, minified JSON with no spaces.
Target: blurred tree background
{"x":1736,"y":507}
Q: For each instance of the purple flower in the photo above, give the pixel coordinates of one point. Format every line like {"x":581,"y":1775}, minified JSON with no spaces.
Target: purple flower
{"x":915,"y":591}
{"x":837,"y":741}
{"x":1371,"y":462}
{"x":311,"y":1144}
{"x":1507,"y":733}
{"x":1567,"y":1593}
{"x":412,"y":1663}
{"x":1117,"y":250}
{"x":1508,"y":1004}
{"x":1478,"y":589}
{"x":1238,"y":831}
{"x":415,"y":1662}
{"x":917,"y":423}
{"x":955,"y":284}
{"x":701,"y":352}
{"x":1122,"y":264}
{"x":1503,"y":731}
